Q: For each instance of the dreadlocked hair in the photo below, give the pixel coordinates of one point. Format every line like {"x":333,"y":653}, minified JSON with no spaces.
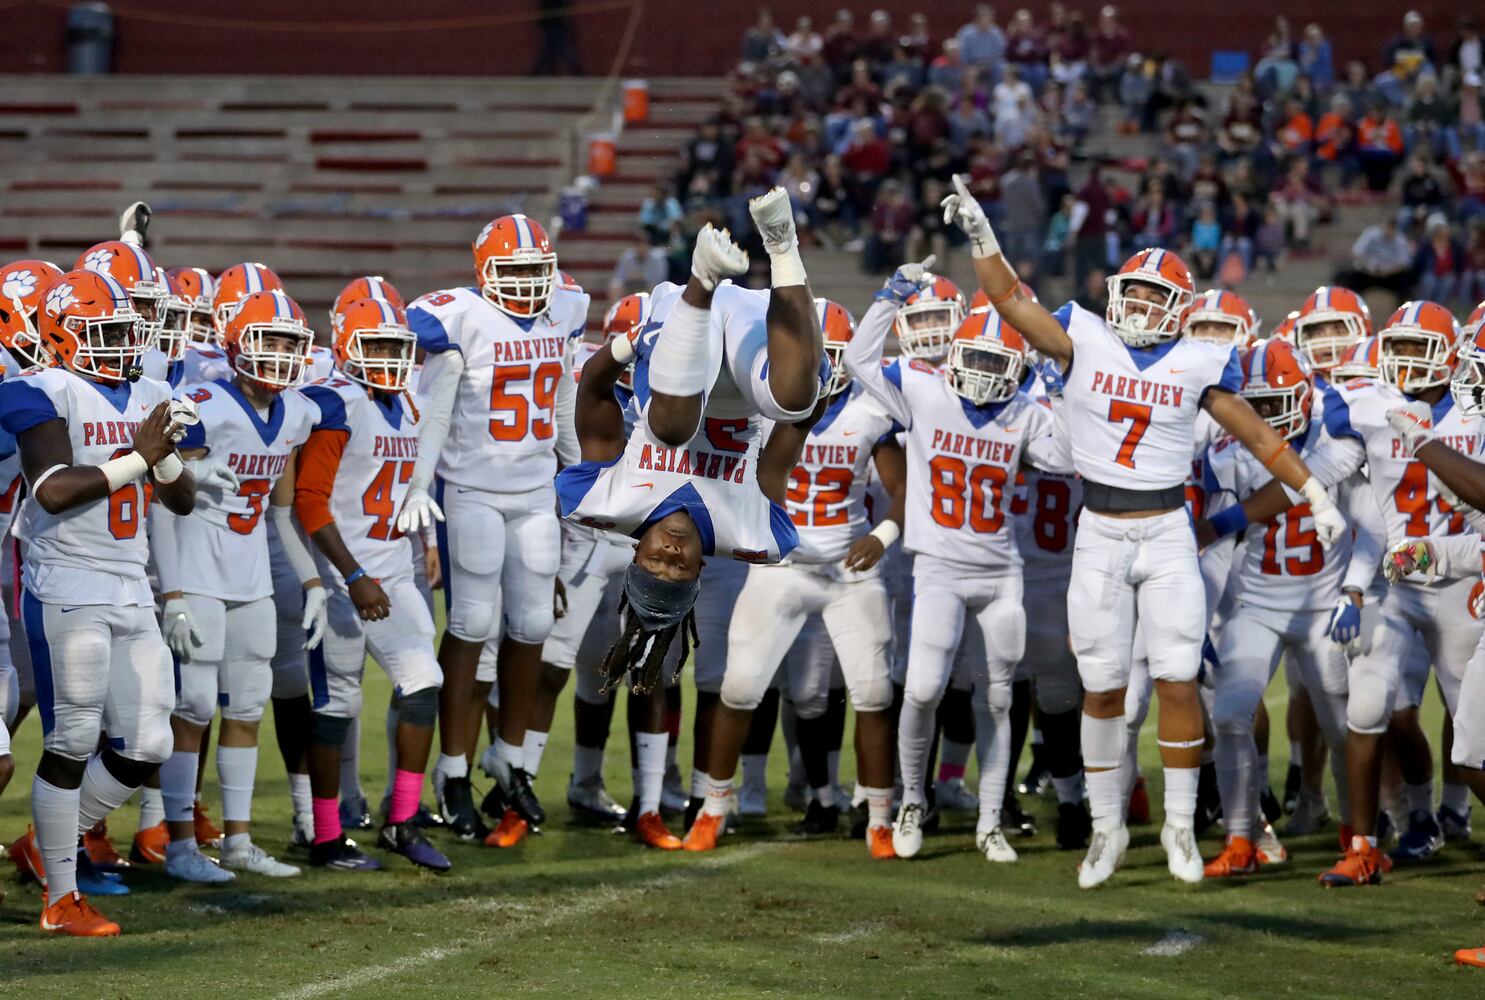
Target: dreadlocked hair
{"x":638,"y":653}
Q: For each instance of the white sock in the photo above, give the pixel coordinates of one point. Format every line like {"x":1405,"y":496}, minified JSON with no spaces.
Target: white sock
{"x":1070,"y":788}
{"x":451,"y":766}
{"x":914,"y":735}
{"x":1180,"y":795}
{"x":1106,"y":799}
{"x":300,"y":795}
{"x":237,"y":770}
{"x":54,"y":811}
{"x":1420,"y":797}
{"x":587,"y":764}
{"x":718,"y":797}
{"x":993,"y":746}
{"x":650,"y":750}
{"x":391,"y":748}
{"x":699,"y":783}
{"x":350,"y":763}
{"x":1456,"y":797}
{"x":151,"y":808}
{"x":681,"y":364}
{"x":1105,"y":745}
{"x":234,"y":842}
{"x":1235,"y":782}
{"x":101,"y":793}
{"x":878,"y":806}
{"x":534,"y":745}
{"x":508,"y":754}
{"x":178,"y":785}
{"x":755,"y":771}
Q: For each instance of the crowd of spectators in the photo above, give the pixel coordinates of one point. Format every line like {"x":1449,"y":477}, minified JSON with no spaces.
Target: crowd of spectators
{"x":864,"y":124}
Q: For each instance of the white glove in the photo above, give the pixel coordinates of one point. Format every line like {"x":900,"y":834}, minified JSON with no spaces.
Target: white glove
{"x":1330,"y":524}
{"x":315,"y":616}
{"x":961,"y":209}
{"x":213,"y":472}
{"x":1413,"y":423}
{"x":1477,"y":601}
{"x":180,"y":628}
{"x":1412,"y":556}
{"x":418,"y":511}
{"x":716,"y":256}
{"x":183,"y":415}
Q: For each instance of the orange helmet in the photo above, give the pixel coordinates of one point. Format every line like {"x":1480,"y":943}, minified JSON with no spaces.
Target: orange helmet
{"x":1221,"y":317}
{"x":1329,"y":322}
{"x":1142,"y":322}
{"x":927,"y":320}
{"x":258,"y":318}
{"x":625,"y":318}
{"x":131,"y":267}
{"x":838,"y":327}
{"x":1418,"y":347}
{"x":368,"y":323}
{"x":173,"y":332}
{"x":194,"y":286}
{"x":567,"y":281}
{"x":1277,"y":383}
{"x":87,"y":320}
{"x":1473,"y":325}
{"x":372,"y":286}
{"x":23,"y":285}
{"x":987,"y":359}
{"x":981,"y":300}
{"x":1360,"y":362}
{"x":235,"y":284}
{"x":516,"y":265}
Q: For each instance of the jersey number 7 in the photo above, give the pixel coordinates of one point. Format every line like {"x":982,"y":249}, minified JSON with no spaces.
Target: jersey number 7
{"x":1138,"y":415}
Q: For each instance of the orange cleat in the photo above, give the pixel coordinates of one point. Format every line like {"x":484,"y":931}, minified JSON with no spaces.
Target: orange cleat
{"x":207,"y":834}
{"x":101,"y":850}
{"x":1238,"y":857}
{"x":1471,"y":956}
{"x":651,"y":831}
{"x":27,"y":858}
{"x":1139,"y":803}
{"x":1362,"y":865}
{"x":704,"y":833}
{"x":149,"y":845}
{"x":511,"y":831}
{"x":74,"y":915}
{"x":879,"y":842}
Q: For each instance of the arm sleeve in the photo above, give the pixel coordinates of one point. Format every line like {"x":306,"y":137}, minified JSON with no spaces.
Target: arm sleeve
{"x":1332,"y":461}
{"x":319,"y":460}
{"x":568,"y":450}
{"x":1045,"y":447}
{"x":164,"y":547}
{"x":1369,"y":533}
{"x":440,"y":384}
{"x":863,"y":359}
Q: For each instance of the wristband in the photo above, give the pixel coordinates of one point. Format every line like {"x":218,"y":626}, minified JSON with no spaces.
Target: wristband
{"x":354,"y":575}
{"x":622,"y":348}
{"x":1230,"y":520}
{"x":36,"y":486}
{"x":122,"y":471}
{"x":168,"y":469}
{"x":887,"y":532}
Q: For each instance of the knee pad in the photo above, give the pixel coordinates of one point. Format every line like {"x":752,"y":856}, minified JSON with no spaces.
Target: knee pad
{"x":419,"y":708}
{"x":1104,"y":742}
{"x":531,"y":625}
{"x":471,"y":620}
{"x":153,"y":746}
{"x":330,"y":730}
{"x":196,"y":694}
{"x":998,"y":697}
{"x":1369,"y":706}
{"x":873,"y":696}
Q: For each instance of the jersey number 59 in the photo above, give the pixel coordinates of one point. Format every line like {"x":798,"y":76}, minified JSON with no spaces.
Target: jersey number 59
{"x":512,"y":417}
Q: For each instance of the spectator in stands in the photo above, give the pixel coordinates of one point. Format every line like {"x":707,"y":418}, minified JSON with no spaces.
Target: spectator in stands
{"x":1055,"y":244}
{"x":1470,"y":183}
{"x":759,"y":143}
{"x":1023,"y":213}
{"x":1380,"y":258}
{"x":837,"y":218}
{"x":1422,"y":193}
{"x":658,"y":212}
{"x":1154,"y":219}
{"x":1108,"y":51}
{"x":1207,"y":183}
{"x":763,"y":41}
{"x":981,"y":43}
{"x":1439,"y":262}
{"x":1239,"y":236}
{"x":1472,"y":279}
{"x":1026,"y":49}
{"x":866,"y":156}
{"x":1412,"y":49}
{"x":1278,"y":66}
{"x":1430,"y":118}
{"x":1296,"y":135}
{"x":1136,"y":91}
{"x":804,"y":43}
{"x":947,"y":69}
{"x":1089,"y":224}
{"x":1268,"y":244}
{"x":803,"y":183}
{"x":917,"y":39}
{"x":1079,"y":113}
{"x":878,"y":45}
{"x":892,"y":220}
{"x":968,"y":124}
{"x":1316,"y":61}
{"x":1357,"y":87}
{"x":1186,"y":135}
{"x":1068,"y":51}
{"x":709,"y":158}
{"x":640,"y":267}
{"x":1379,"y":146}
{"x":840,"y":47}
{"x":862,"y":86}
{"x":1242,"y":126}
{"x":1335,"y":138}
{"x":1094,"y":292}
{"x":1206,"y":239}
{"x":930,"y":235}
{"x":1467,"y":54}
{"x":1298,"y":203}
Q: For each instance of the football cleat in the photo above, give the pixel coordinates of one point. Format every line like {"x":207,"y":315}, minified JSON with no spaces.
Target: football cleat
{"x":135,"y":220}
{"x":493,"y":804}
{"x":1139,"y":803}
{"x":591,"y":801}
{"x":1181,"y":855}
{"x":193,"y":866}
{"x":256,"y":861}
{"x":27,"y":857}
{"x":752,"y":799}
{"x":954,"y":795}
{"x":1015,"y":819}
{"x":1362,"y":865}
{"x":426,"y":818}
{"x":355,"y":814}
{"x":1270,"y":851}
{"x":1038,"y":780}
{"x":73,"y":915}
{"x":1456,"y":826}
{"x":1073,"y":826}
{"x":773,"y":215}
{"x":995,"y":847}
{"x":1422,"y":839}
{"x":879,"y":843}
{"x":457,"y":806}
{"x":704,"y":832}
{"x":907,"y":831}
{"x":509,"y":832}
{"x":651,"y":831}
{"x":1238,"y":857}
{"x":520,"y":796}
{"x":1386,"y":826}
{"x":1471,"y":956}
{"x":672,"y":792}
{"x":409,"y":840}
{"x":860,"y":820}
{"x":715,"y":256}
{"x":1293,"y":789}
{"x":304,"y":832}
{"x":1105,"y":854}
{"x":818,"y":821}
{"x":342,"y":855}
{"x":207,"y":834}
{"x":1208,"y":799}
{"x":693,"y":809}
{"x":101,"y":850}
{"x":797,"y":796}
{"x":1309,"y":814}
{"x":93,"y":881}
{"x":149,"y":845}
{"x":1268,"y":802}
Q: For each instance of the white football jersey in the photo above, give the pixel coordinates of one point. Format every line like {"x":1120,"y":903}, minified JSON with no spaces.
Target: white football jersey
{"x":201,"y":363}
{"x":827,"y":489}
{"x":95,"y":553}
{"x":377,"y":446}
{"x":321,"y":364}
{"x":503,"y":434}
{"x":1046,"y":523}
{"x":223,"y":544}
{"x":1208,"y":433}
{"x":1132,"y":411}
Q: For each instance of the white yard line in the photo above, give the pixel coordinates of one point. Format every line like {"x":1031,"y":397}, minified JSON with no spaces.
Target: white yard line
{"x":579,"y":904}
{"x":1176,"y":942}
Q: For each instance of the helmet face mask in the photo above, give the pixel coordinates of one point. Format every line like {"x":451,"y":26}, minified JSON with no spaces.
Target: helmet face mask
{"x":1325,"y":337}
{"x":25,"y":344}
{"x":1468,"y":384}
{"x":1286,"y":409}
{"x":108,"y":348}
{"x":379,"y":357}
{"x":516,"y":265}
{"x":840,"y":379}
{"x":1225,"y":331}
{"x":172,"y":332}
{"x":1414,"y":359}
{"x":273,"y":354}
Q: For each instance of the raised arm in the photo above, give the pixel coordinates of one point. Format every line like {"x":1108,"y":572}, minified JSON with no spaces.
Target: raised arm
{"x":1461,"y":474}
{"x":863,"y":355}
{"x":597,"y":415}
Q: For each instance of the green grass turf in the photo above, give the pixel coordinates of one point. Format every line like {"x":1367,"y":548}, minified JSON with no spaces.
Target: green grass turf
{"x":578,"y":912}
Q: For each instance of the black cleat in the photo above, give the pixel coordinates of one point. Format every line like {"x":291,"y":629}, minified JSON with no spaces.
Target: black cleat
{"x":1291,"y":789}
{"x":860,"y":820}
{"x":458,"y":810}
{"x":342,"y":855}
{"x":931,"y":817}
{"x":1038,"y":780}
{"x":1208,"y":799}
{"x":408,"y":840}
{"x":1269,"y":803}
{"x":522,"y":798}
{"x":630,"y":819}
{"x":1074,"y":826}
{"x":818,"y":820}
{"x":427,"y":818}
{"x":693,"y":809}
{"x":493,"y":804}
{"x":1014,"y":819}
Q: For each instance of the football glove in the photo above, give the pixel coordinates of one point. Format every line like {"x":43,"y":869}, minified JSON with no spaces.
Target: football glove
{"x":963,"y":210}
{"x":1413,"y":423}
{"x":419,"y":511}
{"x":181,"y":634}
{"x":1344,"y":628}
{"x":315,"y":616}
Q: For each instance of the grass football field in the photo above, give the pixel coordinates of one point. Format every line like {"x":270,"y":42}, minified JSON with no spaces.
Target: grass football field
{"x":579,"y":912}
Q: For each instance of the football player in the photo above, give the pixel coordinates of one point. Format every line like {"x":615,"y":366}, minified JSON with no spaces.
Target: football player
{"x":1133,"y":390}
{"x":96,"y":444}
{"x":215,"y":578}
{"x":496,"y":378}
